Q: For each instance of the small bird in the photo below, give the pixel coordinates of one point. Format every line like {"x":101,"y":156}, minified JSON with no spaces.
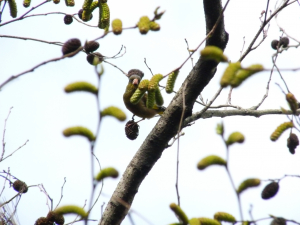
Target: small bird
{"x":140,"y":109}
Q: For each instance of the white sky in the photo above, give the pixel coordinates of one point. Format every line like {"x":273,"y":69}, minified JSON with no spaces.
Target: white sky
{"x":42,"y":110}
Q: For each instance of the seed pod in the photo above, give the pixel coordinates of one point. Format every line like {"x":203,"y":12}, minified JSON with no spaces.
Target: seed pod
{"x":194,"y":221}
{"x":87,"y":4}
{"x":158,"y":97}
{"x":213,"y":52}
{"x":68,"y":19}
{"x":20,"y":186}
{"x":70,"y":2}
{"x":114,"y":112}
{"x":275,"y":44}
{"x":144,"y":24}
{"x":81,"y":86}
{"x":13,"y":8}
{"x":91,"y":46}
{"x":71,"y":46}
{"x":81,"y":131}
{"x":154,"y":26}
{"x":208,"y":221}
{"x":171,"y":81}
{"x":292,"y":143}
{"x":229,"y":73}
{"x":56,"y":1}
{"x":179,"y":213}
{"x":150,"y":99}
{"x":278,"y":221}
{"x":71,"y":209}
{"x":153,"y":83}
{"x":284,"y":42}
{"x":117,"y":26}
{"x":42,"y":221}
{"x":107,"y":172}
{"x":55,"y":217}
{"x":132,"y":130}
{"x":253,"y":182}
{"x":293,"y":103}
{"x":26,"y":3}
{"x":235,"y":137}
{"x":104,"y":16}
{"x":270,"y":190}
{"x":210,"y":160}
{"x":94,"y":58}
{"x":243,"y":74}
{"x":280,"y":129}
{"x":223,"y":216}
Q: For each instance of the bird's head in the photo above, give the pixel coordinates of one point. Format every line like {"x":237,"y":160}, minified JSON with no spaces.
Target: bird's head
{"x":135,"y":76}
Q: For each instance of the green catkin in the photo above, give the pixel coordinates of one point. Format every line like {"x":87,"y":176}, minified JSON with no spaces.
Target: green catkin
{"x":107,"y":172}
{"x":280,"y":129}
{"x":151,"y":99}
{"x":114,"y":112}
{"x":210,"y":160}
{"x":26,"y":3}
{"x":139,"y":93}
{"x":252,"y":182}
{"x":243,"y":74}
{"x":87,"y":4}
{"x":229,"y":73}
{"x":179,"y":213}
{"x":104,"y":16}
{"x":153,"y":83}
{"x":213,"y":52}
{"x":171,"y":81}
{"x":86,"y":15}
{"x":71,"y":209}
{"x":70,"y":2}
{"x":223,"y":216}
{"x":194,"y":221}
{"x":208,"y":221}
{"x":158,"y":97}
{"x":94,"y":5}
{"x":154,"y":26}
{"x":117,"y":26}
{"x":81,"y":86}
{"x":81,"y":131}
{"x":293,"y":103}
{"x":13,"y":8}
{"x":235,"y":137}
{"x":144,"y":24}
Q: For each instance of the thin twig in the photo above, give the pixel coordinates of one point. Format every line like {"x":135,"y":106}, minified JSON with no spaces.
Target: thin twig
{"x":115,"y":67}
{"x":42,"y":189}
{"x":3,"y":138}
{"x":15,"y":150}
{"x":148,"y":66}
{"x":33,"y":39}
{"x":189,"y":51}
{"x":61,"y":193}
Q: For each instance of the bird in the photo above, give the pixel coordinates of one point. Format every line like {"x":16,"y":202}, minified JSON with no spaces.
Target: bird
{"x":140,"y":109}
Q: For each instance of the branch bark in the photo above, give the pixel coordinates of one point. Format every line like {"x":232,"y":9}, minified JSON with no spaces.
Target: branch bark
{"x":167,"y":126}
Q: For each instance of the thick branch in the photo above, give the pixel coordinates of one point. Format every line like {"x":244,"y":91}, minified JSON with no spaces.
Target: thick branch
{"x":167,"y":126}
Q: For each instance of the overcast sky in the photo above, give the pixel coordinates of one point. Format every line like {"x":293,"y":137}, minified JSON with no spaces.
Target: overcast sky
{"x":41,"y":110}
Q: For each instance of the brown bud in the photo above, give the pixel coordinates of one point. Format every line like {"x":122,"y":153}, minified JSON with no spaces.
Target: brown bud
{"x":42,"y":221}
{"x":292,"y":142}
{"x":274,"y":44}
{"x":91,"y":46}
{"x":270,"y":190}
{"x":71,"y":46}
{"x":55,"y":217}
{"x":68,"y":19}
{"x":132,"y":130}
{"x":284,"y":42}
{"x":94,"y":58}
{"x":20,"y":186}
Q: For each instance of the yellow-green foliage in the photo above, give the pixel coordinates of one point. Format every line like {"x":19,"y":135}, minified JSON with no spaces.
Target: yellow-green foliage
{"x":13,"y":8}
{"x":71,"y":209}
{"x":252,"y":182}
{"x":115,"y":112}
{"x":220,"y":129}
{"x":107,"y":172}
{"x":154,"y":26}
{"x":56,"y":1}
{"x":137,"y":96}
{"x":194,"y":221}
{"x":94,"y":5}
{"x":229,"y":73}
{"x":81,"y":86}
{"x":81,"y":131}
{"x":280,"y":129}
{"x":117,"y":26}
{"x":213,"y":52}
{"x":158,"y":97}
{"x":104,"y":16}
{"x":293,"y":103}
{"x":70,"y":2}
{"x":26,"y":3}
{"x":179,"y":213}
{"x":208,"y":221}
{"x":144,"y":24}
{"x":171,"y":81}
{"x":87,"y":4}
{"x":223,"y":216}
{"x":151,"y":99}
{"x":243,"y":74}
{"x":210,"y":160}
{"x":153,"y":83}
{"x":235,"y":137}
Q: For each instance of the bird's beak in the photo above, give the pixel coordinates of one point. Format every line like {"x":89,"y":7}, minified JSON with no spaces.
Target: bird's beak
{"x":135,"y":81}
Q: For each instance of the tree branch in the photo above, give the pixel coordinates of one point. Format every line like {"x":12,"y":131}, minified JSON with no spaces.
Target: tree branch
{"x":167,"y":126}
